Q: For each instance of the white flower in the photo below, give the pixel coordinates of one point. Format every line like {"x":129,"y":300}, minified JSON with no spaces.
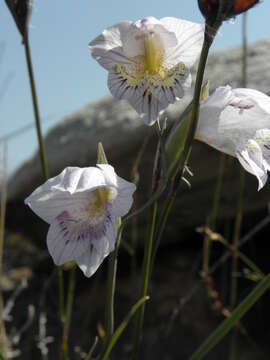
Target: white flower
{"x":149,"y":61}
{"x":237,"y":122}
{"x":81,"y":205}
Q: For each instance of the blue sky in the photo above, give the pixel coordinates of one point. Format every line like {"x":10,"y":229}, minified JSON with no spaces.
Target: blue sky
{"x":66,"y":76}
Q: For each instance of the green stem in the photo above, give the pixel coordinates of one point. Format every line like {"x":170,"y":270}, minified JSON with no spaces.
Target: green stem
{"x":232,"y":320}
{"x":208,"y":39}
{"x":161,"y":228}
{"x":197,"y":94}
{"x":213,"y":216}
{"x":118,"y":332}
{"x":42,"y":152}
{"x":111,"y":280}
{"x":43,"y":157}
{"x":3,"y":340}
{"x":238,"y":221}
{"x":92,"y":349}
{"x":67,"y":318}
{"x":146,"y":271}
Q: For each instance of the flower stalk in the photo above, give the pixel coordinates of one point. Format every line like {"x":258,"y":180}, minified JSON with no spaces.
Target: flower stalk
{"x":110,"y":291}
{"x":43,"y":158}
{"x":211,"y":223}
{"x":239,"y":214}
{"x":3,"y":202}
{"x":42,"y":151}
{"x":176,"y":178}
{"x":68,"y":311}
{"x":146,"y":273}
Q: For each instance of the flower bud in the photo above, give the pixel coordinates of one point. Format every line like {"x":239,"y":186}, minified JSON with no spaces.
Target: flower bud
{"x":21,"y":11}
{"x":219,"y":10}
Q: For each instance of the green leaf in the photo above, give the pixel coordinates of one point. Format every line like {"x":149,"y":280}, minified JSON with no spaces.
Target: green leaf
{"x":231,"y":321}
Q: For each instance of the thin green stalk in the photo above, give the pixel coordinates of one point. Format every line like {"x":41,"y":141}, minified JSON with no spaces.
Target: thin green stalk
{"x":237,"y":233}
{"x":208,"y":39}
{"x":42,"y":152}
{"x":146,"y":271}
{"x":118,"y":332}
{"x":43,"y":157}
{"x":238,"y":221}
{"x":234,"y":269}
{"x":164,"y":218}
{"x":91,"y":351}
{"x":223,"y":329}
{"x":67,"y":318}
{"x":197,"y":94}
{"x":110,"y":291}
{"x":244,"y":50}
{"x":134,"y":225}
{"x":2,"y":235}
{"x":213,"y":216}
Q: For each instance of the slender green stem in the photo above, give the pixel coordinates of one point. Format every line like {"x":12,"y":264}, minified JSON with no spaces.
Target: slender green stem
{"x":61,"y":300}
{"x":146,"y":271}
{"x":110,"y":291}
{"x":67,"y":318}
{"x":208,"y":39}
{"x":92,"y":349}
{"x":164,"y":218}
{"x":234,"y":269}
{"x":238,"y":221}
{"x":43,"y":157}
{"x":232,"y":320}
{"x":197,"y":94}
{"x":237,"y":233}
{"x":244,"y":50}
{"x":3,"y":201}
{"x":213,"y":216}
{"x":42,"y":152}
{"x":118,"y":332}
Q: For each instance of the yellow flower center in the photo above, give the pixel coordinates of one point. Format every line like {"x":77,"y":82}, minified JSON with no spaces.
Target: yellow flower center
{"x":153,"y":53}
{"x":97,"y":201}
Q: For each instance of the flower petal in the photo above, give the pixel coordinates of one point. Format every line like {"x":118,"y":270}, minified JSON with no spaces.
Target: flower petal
{"x":107,"y":47}
{"x":70,"y":235}
{"x":251,"y":158}
{"x":220,"y":98}
{"x":123,"y":86}
{"x":262,"y":137}
{"x":227,"y":119}
{"x":133,"y":42}
{"x":259,"y":98}
{"x":171,"y":88}
{"x":55,"y":195}
{"x":124,"y":199}
{"x":148,"y":107}
{"x":190,"y":39}
{"x":90,"y":260}
{"x":125,"y":189}
{"x":64,"y":239}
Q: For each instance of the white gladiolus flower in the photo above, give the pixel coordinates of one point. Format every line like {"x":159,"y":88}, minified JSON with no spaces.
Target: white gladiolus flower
{"x":81,"y":205}
{"x":149,"y":61}
{"x":237,"y":122}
